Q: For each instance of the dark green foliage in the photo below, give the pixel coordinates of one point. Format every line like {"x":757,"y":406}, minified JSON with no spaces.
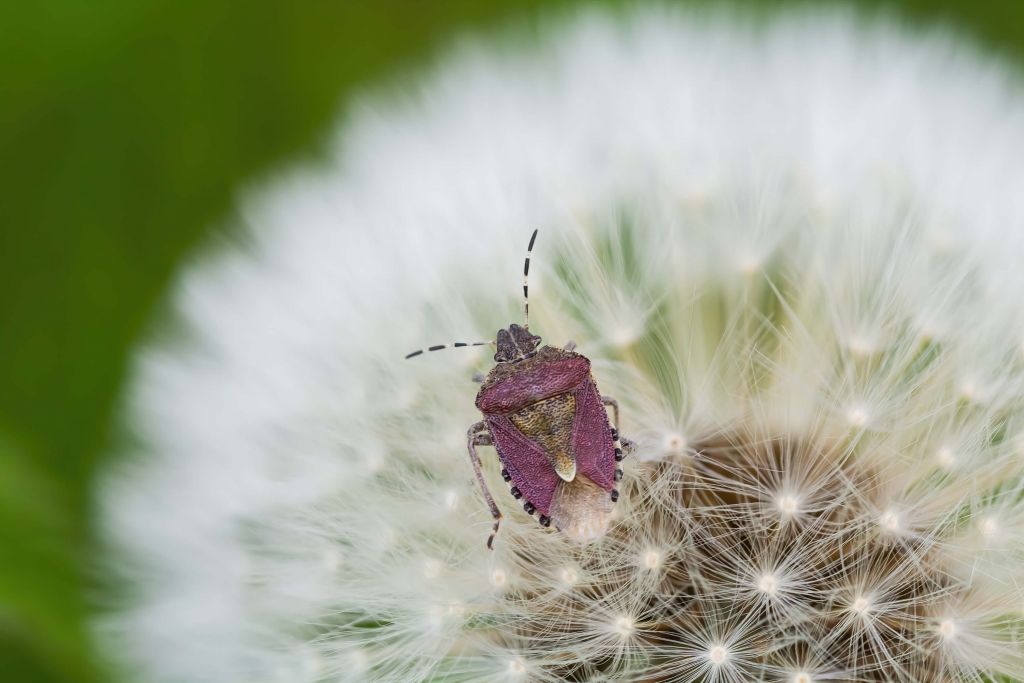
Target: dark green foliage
{"x":126,"y":129}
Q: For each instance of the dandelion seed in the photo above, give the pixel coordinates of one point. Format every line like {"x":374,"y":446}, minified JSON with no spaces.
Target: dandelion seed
{"x":432,"y":568}
{"x":988,"y":526}
{"x":569,"y":576}
{"x":357,"y":662}
{"x":651,"y":559}
{"x":333,"y":560}
{"x":499,"y":578}
{"x":517,"y":668}
{"x":624,"y":626}
{"x":861,"y":605}
{"x":788,"y":505}
{"x":945,"y":457}
{"x":801,"y":677}
{"x":768,"y":584}
{"x":624,"y":336}
{"x":673,"y":445}
{"x":947,"y":629}
{"x":862,"y":346}
{"x":858,"y":416}
{"x":890,"y":521}
{"x":970,"y":391}
{"x":718,"y":655}
{"x":748,"y":264}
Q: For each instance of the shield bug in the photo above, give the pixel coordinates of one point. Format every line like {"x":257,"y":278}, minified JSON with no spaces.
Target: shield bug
{"x":546,"y":419}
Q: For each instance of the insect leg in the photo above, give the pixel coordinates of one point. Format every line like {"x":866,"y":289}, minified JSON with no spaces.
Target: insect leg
{"x":479,"y":435}
{"x":609,"y":401}
{"x":623,"y":446}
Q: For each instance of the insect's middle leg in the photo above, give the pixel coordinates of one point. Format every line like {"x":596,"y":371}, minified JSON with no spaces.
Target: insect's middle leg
{"x":622,"y":443}
{"x":609,"y":401}
{"x":480,"y":435}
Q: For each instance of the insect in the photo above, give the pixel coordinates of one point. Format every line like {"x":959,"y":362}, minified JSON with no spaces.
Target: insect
{"x":546,"y":419}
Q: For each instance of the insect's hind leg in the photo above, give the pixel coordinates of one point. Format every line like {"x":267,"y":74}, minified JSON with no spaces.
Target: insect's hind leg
{"x":480,"y":435}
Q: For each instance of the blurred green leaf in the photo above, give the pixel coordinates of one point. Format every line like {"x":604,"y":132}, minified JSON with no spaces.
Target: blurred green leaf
{"x":125,"y":130}
{"x":40,"y":594}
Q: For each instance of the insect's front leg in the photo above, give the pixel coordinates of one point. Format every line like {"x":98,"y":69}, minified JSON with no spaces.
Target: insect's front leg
{"x":480,"y":435}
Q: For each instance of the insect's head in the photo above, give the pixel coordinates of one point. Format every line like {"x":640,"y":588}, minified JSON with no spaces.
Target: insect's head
{"x":515,"y":344}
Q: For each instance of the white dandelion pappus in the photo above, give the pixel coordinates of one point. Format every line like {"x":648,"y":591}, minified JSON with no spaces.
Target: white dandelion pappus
{"x":791,"y":252}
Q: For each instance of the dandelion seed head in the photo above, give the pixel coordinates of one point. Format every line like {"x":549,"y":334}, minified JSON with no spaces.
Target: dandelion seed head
{"x":806,"y":309}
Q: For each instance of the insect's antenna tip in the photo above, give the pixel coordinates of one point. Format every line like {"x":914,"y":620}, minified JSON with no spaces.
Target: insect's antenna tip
{"x":526,"y":280}
{"x":494,"y":532}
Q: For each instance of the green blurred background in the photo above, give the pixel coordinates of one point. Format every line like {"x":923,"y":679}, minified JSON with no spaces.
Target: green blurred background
{"x":126,"y":130}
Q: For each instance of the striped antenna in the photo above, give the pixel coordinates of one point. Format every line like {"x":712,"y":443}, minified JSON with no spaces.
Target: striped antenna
{"x":526,"y":279}
{"x":455,"y":345}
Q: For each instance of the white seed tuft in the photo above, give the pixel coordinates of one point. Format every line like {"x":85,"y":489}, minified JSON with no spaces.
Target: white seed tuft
{"x":890,"y":521}
{"x":768,"y":584}
{"x":787,"y":505}
{"x":947,"y":629}
{"x":861,"y":605}
{"x":624,"y":626}
{"x":651,"y":559}
{"x":718,"y":655}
